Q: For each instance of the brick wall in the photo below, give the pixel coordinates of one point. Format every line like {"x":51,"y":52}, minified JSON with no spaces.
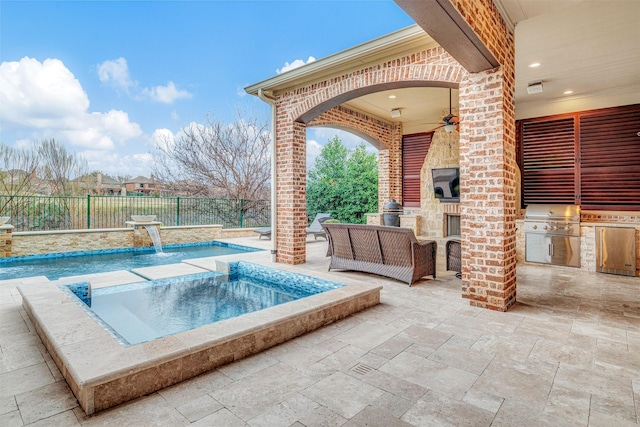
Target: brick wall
{"x":386,"y":136}
{"x":295,"y":105}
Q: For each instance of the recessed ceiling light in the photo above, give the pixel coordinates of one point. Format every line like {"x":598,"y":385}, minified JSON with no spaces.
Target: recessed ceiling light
{"x":567,"y":92}
{"x":392,"y":97}
{"x":534,"y":65}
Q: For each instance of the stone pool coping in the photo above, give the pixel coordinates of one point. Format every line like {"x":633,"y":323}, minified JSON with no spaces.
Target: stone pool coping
{"x":102,"y":373}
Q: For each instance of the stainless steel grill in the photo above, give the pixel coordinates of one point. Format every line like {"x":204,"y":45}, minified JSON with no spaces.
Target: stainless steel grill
{"x":552,"y":234}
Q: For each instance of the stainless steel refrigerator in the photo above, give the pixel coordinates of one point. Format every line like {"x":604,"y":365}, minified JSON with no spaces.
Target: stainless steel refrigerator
{"x":616,"y":250}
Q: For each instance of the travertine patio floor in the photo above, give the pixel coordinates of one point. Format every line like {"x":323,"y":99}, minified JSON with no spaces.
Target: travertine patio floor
{"x":567,"y":354}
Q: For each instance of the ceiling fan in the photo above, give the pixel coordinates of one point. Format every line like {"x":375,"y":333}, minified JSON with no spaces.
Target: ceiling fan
{"x":449,"y":122}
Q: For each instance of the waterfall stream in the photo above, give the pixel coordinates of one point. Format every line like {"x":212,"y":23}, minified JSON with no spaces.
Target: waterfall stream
{"x":155,"y":237}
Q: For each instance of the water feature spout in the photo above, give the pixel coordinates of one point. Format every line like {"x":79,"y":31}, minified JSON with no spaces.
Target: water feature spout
{"x":155,"y":237}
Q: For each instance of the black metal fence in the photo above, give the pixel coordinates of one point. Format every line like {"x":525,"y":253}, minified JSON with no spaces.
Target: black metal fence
{"x":39,"y":213}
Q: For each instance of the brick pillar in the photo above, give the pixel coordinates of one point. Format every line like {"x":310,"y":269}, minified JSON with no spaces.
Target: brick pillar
{"x":291,"y":190}
{"x":395,"y":164}
{"x":390,"y":169}
{"x":488,"y":196}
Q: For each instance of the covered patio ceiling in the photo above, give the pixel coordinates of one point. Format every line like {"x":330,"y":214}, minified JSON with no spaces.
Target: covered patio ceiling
{"x":588,"y":47}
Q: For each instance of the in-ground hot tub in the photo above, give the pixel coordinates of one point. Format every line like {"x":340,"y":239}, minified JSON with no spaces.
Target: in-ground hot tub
{"x":103,"y":372}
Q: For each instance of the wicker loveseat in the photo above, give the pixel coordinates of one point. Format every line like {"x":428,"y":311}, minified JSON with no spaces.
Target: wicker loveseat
{"x":388,"y":251}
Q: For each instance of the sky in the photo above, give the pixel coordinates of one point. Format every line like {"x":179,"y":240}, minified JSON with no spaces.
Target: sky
{"x":108,"y":78}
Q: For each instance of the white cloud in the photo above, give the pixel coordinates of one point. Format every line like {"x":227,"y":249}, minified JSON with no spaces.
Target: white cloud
{"x":47,"y":100}
{"x":313,"y":151}
{"x":115,"y":72}
{"x":295,"y":64}
{"x":165,"y":94}
{"x":114,"y":163}
{"x":163,"y":138}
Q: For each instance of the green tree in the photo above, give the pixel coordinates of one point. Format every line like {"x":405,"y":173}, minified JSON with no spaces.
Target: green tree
{"x":343,"y":182}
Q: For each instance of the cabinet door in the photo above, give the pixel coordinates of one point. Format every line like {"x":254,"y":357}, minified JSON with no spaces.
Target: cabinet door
{"x":565,"y":251}
{"x":537,"y":248}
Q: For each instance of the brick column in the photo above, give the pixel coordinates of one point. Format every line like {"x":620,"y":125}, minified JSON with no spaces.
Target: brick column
{"x":291,"y":190}
{"x":488,"y":190}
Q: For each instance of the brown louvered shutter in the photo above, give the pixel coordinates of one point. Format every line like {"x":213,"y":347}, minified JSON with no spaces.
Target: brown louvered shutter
{"x":549,"y":161}
{"x":414,"y":150}
{"x":610,"y":157}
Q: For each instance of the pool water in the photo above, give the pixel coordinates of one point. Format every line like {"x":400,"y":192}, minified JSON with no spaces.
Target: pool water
{"x":77,"y":263}
{"x":141,"y":312}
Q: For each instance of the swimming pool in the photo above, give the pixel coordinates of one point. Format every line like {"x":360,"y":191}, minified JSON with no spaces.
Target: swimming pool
{"x":63,"y":264}
{"x":141,"y":312}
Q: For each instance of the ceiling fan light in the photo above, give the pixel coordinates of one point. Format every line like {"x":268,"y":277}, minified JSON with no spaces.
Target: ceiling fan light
{"x":449,"y":128}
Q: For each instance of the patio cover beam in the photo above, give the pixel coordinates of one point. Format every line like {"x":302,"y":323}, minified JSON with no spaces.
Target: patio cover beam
{"x":441,"y":20}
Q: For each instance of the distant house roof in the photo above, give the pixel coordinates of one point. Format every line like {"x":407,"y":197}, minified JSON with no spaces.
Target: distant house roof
{"x":141,"y":180}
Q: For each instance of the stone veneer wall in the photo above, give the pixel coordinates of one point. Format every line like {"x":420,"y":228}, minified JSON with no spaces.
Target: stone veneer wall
{"x":44,"y":242}
{"x":5,"y":241}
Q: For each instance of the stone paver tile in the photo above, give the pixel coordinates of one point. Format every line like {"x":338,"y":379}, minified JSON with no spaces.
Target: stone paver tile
{"x":321,"y":417}
{"x":596,"y":383}
{"x":151,"y":410}
{"x":375,"y":417}
{"x":8,"y":404}
{"x":520,"y":413}
{"x":187,"y":391}
{"x":397,"y":386}
{"x":432,"y":375}
{"x":169,"y":270}
{"x":248,"y":366}
{"x":392,"y":404}
{"x":392,"y":347}
{"x":285,"y":413}
{"x":461,"y":357}
{"x":554,"y":352}
{"x":199,"y":408}
{"x":635,"y":384}
{"x":256,"y":393}
{"x":424,"y":336}
{"x":19,"y":356}
{"x":11,"y":419}
{"x":599,"y":331}
{"x":493,"y":319}
{"x":517,"y":348}
{"x":344,"y":358}
{"x":614,"y":407}
{"x":530,"y":381}
{"x":623,"y":359}
{"x":65,"y":419}
{"x":368,"y":335}
{"x":299,"y":356}
{"x":482,"y":400}
{"x":343,"y":394}
{"x":569,"y":404}
{"x":223,"y":417}
{"x":556,"y":328}
{"x":598,"y":419}
{"x":25,"y":379}
{"x":45,"y":401}
{"x":434,"y":409}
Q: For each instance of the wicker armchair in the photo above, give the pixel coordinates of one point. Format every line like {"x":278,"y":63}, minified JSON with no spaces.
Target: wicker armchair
{"x":387,"y":251}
